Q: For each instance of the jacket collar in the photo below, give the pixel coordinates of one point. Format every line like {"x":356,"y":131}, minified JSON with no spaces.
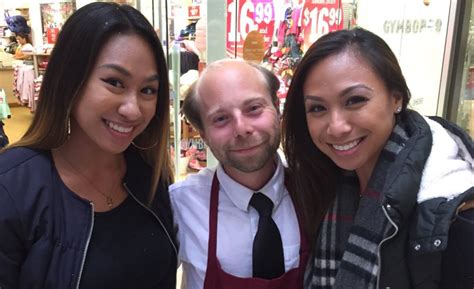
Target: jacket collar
{"x":430,"y":219}
{"x":448,"y":171}
{"x":403,"y":179}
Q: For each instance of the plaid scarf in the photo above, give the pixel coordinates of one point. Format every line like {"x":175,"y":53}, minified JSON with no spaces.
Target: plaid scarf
{"x":346,"y":254}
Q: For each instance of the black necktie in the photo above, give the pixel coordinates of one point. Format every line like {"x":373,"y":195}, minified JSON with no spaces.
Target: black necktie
{"x":268,"y":262}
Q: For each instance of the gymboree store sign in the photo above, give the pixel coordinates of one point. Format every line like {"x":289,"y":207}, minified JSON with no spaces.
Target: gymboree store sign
{"x":414,"y":26}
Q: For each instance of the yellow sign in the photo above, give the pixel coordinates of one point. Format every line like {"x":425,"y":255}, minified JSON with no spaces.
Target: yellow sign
{"x":254,"y":47}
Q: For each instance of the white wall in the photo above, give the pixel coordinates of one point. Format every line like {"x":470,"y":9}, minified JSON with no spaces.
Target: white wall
{"x":146,"y":8}
{"x":80,"y":3}
{"x":417,"y":35}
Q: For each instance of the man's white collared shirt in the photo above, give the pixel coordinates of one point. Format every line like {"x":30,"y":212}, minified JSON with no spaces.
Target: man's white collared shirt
{"x":237,"y":223}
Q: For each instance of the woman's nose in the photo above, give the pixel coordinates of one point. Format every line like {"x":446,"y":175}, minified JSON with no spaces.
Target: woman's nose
{"x":130,"y":107}
{"x":338,"y":125}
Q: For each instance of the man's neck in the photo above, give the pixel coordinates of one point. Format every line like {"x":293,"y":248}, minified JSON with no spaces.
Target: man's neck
{"x":253,"y":180}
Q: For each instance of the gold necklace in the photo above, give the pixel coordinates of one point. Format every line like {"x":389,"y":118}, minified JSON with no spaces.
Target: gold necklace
{"x":108,"y":198}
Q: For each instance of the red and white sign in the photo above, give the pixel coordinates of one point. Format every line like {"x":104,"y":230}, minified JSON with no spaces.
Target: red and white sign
{"x":319,"y":18}
{"x":52,"y":35}
{"x":248,"y":15}
{"x":194,"y":11}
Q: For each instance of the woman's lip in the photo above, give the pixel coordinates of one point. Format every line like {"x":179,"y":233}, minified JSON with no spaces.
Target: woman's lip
{"x":347,"y":145}
{"x":347,"y":148}
{"x":119,"y":128}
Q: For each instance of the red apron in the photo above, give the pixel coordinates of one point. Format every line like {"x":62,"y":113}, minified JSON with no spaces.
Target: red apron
{"x":216,"y":278}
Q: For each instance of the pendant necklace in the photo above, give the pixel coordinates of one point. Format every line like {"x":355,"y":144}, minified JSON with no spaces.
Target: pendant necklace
{"x":108,"y":199}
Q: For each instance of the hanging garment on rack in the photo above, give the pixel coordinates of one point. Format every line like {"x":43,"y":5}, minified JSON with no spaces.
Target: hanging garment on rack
{"x":4,"y":107}
{"x":24,"y":85}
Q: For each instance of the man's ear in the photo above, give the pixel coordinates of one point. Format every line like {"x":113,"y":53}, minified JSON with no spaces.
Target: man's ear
{"x":202,"y":135}
{"x":277,"y":106}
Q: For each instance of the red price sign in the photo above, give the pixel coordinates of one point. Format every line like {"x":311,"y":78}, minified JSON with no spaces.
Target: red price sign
{"x":248,"y":16}
{"x":321,"y":18}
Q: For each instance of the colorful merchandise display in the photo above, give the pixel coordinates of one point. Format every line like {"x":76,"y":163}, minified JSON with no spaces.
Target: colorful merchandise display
{"x":286,"y":28}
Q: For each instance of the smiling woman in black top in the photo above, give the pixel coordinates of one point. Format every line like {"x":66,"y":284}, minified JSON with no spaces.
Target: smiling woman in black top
{"x":83,"y":195}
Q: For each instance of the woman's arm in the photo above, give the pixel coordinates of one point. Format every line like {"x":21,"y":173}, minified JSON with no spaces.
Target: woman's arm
{"x":458,"y":259}
{"x":20,"y":55}
{"x":169,"y":280}
{"x":12,"y":252}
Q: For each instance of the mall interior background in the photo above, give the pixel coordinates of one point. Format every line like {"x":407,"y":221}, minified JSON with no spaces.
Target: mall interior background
{"x":433,"y":40}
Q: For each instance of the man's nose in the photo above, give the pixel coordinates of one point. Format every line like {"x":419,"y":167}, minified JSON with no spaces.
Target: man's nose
{"x":243,"y":125}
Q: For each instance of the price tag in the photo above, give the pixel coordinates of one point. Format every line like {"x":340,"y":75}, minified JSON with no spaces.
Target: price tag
{"x":319,"y":19}
{"x":247,"y":16}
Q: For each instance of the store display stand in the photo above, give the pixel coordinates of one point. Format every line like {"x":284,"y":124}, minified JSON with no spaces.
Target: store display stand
{"x":38,"y":58}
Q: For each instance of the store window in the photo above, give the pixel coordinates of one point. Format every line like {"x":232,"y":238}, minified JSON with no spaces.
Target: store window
{"x":183,"y":32}
{"x":464,"y":104}
{"x":276,"y":33}
{"x":417,"y":33}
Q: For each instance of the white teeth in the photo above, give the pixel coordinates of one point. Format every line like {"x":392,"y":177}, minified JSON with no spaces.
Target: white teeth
{"x":119,"y":128}
{"x":346,"y":146}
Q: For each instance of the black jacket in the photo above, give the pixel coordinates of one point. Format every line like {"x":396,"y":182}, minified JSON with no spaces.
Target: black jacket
{"x":45,"y":228}
{"x":423,"y":250}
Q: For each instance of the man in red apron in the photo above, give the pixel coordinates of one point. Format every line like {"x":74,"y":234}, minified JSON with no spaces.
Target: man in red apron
{"x":237,"y":226}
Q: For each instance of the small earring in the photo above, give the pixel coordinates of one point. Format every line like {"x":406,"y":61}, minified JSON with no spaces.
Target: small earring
{"x":398,"y":110}
{"x":68,"y":127}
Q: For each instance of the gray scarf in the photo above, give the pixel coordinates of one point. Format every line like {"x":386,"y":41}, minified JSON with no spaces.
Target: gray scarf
{"x":346,"y":252}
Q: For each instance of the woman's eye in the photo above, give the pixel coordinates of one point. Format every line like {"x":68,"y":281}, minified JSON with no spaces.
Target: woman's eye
{"x":356,"y":100}
{"x":315,"y":108}
{"x":150,"y":90}
{"x":114,"y":82}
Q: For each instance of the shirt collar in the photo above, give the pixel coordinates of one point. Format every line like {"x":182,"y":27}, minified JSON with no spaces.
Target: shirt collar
{"x":241,"y":195}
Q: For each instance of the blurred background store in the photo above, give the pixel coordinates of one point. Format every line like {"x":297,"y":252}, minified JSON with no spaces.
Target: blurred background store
{"x":433,"y":40}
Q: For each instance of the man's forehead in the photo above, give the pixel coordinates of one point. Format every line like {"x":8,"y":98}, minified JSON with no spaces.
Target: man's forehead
{"x":225,"y":68}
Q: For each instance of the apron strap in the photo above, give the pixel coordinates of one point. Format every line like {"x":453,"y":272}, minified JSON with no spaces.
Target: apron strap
{"x":212,"y":246}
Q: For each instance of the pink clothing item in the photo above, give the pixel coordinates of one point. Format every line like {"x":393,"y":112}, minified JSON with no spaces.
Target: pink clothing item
{"x":24,"y":85}
{"x":281,"y":32}
{"x":295,"y":16}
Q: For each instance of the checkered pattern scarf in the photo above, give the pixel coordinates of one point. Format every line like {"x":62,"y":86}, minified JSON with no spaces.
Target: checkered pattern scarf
{"x":346,"y":252}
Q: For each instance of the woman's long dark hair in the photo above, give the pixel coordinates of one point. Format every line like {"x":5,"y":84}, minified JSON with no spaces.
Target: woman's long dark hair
{"x":312,"y":175}
{"x":74,"y":55}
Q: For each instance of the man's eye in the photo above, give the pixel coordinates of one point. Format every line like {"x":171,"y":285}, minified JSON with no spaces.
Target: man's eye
{"x":219,"y":119}
{"x":255,"y":108}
